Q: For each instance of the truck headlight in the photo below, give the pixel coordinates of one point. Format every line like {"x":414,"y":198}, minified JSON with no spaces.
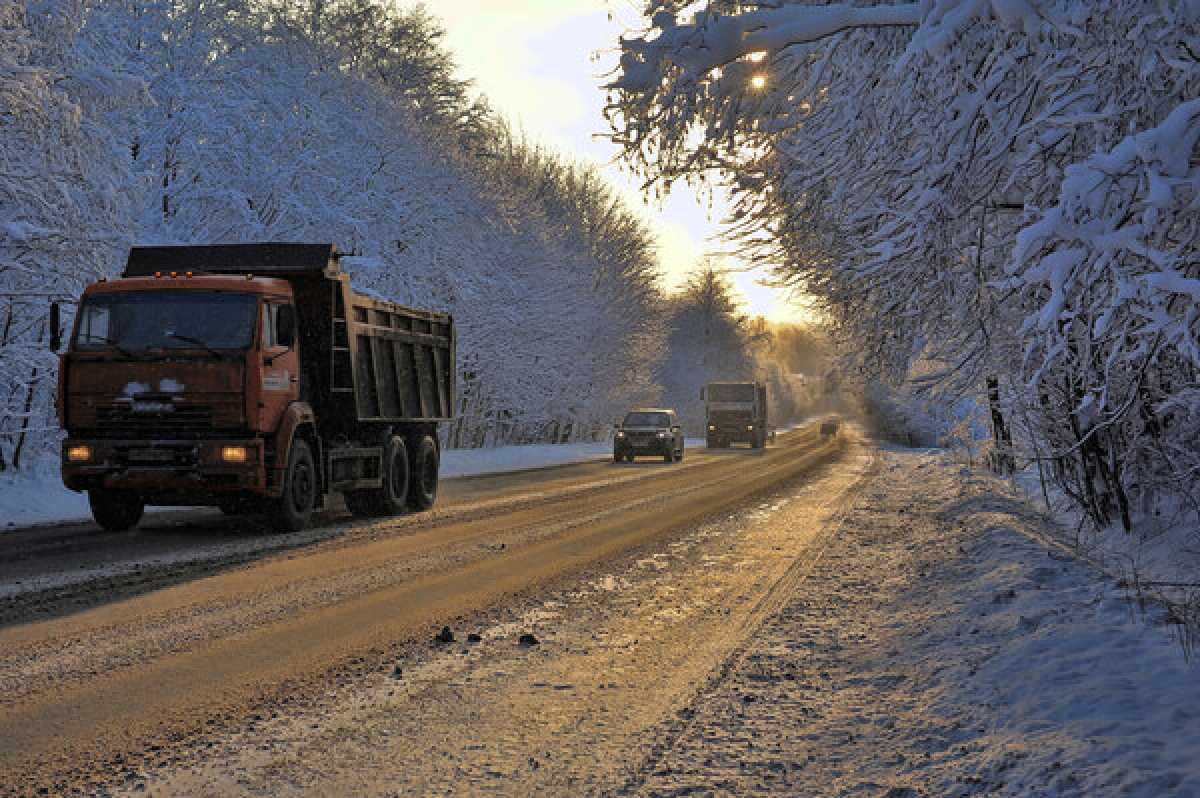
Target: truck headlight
{"x":712,"y":427}
{"x":620,"y":434}
{"x":234,"y":454}
{"x":664,"y":434}
{"x":79,"y":453}
{"x":749,"y":428}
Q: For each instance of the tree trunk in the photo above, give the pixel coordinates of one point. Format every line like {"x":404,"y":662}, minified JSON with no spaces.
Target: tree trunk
{"x":1003,"y":461}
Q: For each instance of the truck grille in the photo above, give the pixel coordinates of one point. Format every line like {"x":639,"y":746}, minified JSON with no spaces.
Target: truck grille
{"x":161,"y":418}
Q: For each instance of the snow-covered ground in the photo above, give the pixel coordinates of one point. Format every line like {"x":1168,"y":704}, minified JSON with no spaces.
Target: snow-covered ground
{"x":945,"y":646}
{"x":1161,"y":555}
{"x":42,"y":499}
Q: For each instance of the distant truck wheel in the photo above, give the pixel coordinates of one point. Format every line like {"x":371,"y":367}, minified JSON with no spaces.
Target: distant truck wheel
{"x":293,"y":509}
{"x":116,"y":510}
{"x":422,"y":490}
{"x":391,"y":497}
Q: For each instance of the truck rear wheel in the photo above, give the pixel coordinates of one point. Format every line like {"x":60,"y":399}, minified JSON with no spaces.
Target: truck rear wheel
{"x":116,"y":510}
{"x":422,"y":490}
{"x":293,"y":509}
{"x":391,"y":497}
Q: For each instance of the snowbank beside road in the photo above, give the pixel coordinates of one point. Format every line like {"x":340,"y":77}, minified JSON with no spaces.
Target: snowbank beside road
{"x":942,"y":648}
{"x":42,"y":499}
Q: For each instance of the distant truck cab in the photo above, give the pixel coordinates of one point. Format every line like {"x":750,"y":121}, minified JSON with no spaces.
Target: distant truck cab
{"x":251,"y":377}
{"x":649,"y":431}
{"x":735,"y":412}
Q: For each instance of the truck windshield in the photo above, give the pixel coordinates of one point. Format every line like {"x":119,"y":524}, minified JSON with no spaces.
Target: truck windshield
{"x":731,"y":392}
{"x":647,"y":420}
{"x":166,"y":320}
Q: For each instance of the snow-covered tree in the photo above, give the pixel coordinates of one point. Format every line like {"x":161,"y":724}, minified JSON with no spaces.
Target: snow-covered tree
{"x":189,"y":121}
{"x":63,"y":207}
{"x":981,"y":191}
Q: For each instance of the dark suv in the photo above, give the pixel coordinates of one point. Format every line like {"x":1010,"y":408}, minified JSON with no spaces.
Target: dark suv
{"x":652,"y":431}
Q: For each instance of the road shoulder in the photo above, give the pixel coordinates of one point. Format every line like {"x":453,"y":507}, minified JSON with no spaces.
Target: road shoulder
{"x":939,"y":648}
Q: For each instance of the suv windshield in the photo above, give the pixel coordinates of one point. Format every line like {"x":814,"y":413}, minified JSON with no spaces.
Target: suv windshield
{"x":731,"y":392}
{"x":647,"y":420}
{"x":167,"y":320}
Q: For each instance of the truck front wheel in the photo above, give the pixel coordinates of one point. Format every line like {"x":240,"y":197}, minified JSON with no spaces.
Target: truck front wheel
{"x":293,"y":509}
{"x":116,"y":510}
{"x":422,"y":490}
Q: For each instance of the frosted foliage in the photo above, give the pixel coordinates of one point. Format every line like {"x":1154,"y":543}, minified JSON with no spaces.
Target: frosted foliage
{"x":179,"y":121}
{"x":978,"y":191}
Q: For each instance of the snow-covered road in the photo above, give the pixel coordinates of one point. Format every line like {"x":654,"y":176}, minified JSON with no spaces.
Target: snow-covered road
{"x":883,"y":623}
{"x":941,"y":648}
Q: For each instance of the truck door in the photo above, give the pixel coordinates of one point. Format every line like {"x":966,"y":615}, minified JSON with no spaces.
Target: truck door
{"x":281,"y":361}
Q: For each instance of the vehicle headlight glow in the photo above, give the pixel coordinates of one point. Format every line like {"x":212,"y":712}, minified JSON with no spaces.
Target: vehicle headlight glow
{"x":234,"y":454}
{"x":712,"y":426}
{"x":664,"y":434}
{"x":749,"y":428}
{"x":79,"y":453}
{"x":620,"y":434}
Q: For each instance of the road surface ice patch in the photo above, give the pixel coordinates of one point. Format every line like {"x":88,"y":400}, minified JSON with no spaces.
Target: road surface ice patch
{"x":39,"y":497}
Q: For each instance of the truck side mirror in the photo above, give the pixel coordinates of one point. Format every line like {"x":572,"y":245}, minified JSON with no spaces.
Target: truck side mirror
{"x":55,"y":327}
{"x":285,"y":330}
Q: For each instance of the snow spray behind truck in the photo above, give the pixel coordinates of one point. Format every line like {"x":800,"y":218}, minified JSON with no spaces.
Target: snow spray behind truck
{"x":735,"y":412}
{"x":251,"y":377}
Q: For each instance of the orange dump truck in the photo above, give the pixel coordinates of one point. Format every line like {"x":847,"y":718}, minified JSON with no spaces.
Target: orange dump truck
{"x":253,"y":378}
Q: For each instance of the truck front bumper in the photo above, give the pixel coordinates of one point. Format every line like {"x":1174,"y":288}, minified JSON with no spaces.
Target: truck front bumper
{"x":179,"y":472}
{"x":733,"y":433}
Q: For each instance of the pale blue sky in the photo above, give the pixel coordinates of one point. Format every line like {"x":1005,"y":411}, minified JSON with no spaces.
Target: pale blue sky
{"x":541,"y":64}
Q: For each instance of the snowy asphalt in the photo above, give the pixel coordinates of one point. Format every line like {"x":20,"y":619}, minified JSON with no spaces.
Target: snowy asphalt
{"x":181,"y":633}
{"x":826,"y":619}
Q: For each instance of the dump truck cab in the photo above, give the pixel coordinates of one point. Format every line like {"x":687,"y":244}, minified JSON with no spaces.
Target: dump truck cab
{"x":735,"y":412}
{"x":251,"y":377}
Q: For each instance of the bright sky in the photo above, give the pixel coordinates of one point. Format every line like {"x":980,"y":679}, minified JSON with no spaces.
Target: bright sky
{"x":541,"y":63}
